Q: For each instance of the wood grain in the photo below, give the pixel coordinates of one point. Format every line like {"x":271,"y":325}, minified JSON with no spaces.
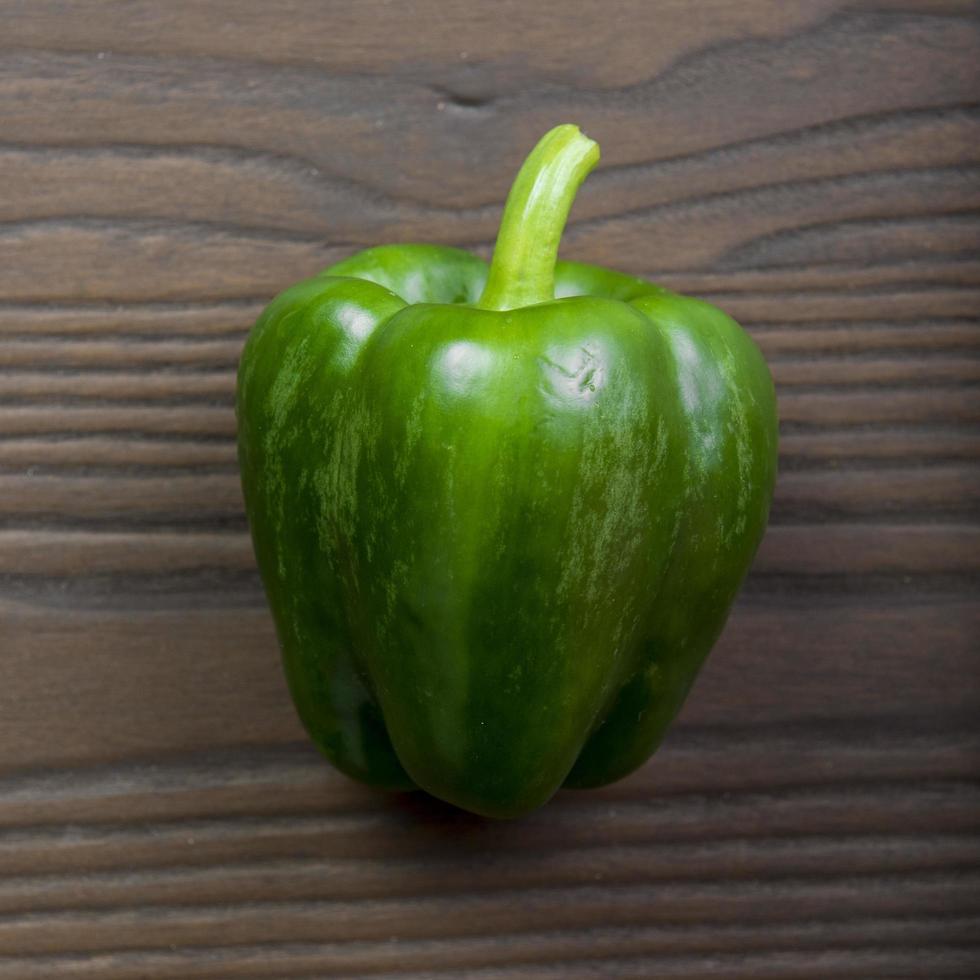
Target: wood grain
{"x":814,"y":168}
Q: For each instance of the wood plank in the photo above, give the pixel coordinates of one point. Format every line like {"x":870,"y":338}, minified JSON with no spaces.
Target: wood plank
{"x":301,"y":110}
{"x":196,"y":321}
{"x":82,"y":683}
{"x":99,"y":261}
{"x":202,"y":498}
{"x":804,"y":306}
{"x":825,"y":371}
{"x":197,"y":421}
{"x":867,"y":549}
{"x":738,"y":958}
{"x":165,"y":382}
{"x":97,"y":258}
{"x":150,"y":806}
{"x":356,"y":879}
{"x":835,"y":447}
{"x":89,"y":452}
{"x":145,"y":387}
{"x":742,"y":225}
{"x":87,"y":354}
{"x":511,"y":32}
{"x":859,"y":549}
{"x":812,"y":410}
{"x":487,"y":913}
{"x":264,"y":190}
{"x":182,"y":499}
{"x":798,"y":449}
{"x":852,"y":493}
{"x":837,"y":408}
{"x":176,"y":319}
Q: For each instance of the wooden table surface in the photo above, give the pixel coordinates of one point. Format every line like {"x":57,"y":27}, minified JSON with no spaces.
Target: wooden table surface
{"x":810,"y":166}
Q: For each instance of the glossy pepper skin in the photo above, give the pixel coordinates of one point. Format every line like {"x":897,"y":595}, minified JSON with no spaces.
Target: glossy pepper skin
{"x":500,"y":514}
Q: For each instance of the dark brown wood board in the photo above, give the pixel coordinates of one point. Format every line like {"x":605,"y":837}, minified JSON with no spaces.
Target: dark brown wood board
{"x":811,"y":166}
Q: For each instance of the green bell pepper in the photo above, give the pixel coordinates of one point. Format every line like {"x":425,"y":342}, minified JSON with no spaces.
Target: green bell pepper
{"x":500,"y":514}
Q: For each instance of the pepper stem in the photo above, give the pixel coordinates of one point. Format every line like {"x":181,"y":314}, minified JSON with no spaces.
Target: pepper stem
{"x":523,"y":268}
